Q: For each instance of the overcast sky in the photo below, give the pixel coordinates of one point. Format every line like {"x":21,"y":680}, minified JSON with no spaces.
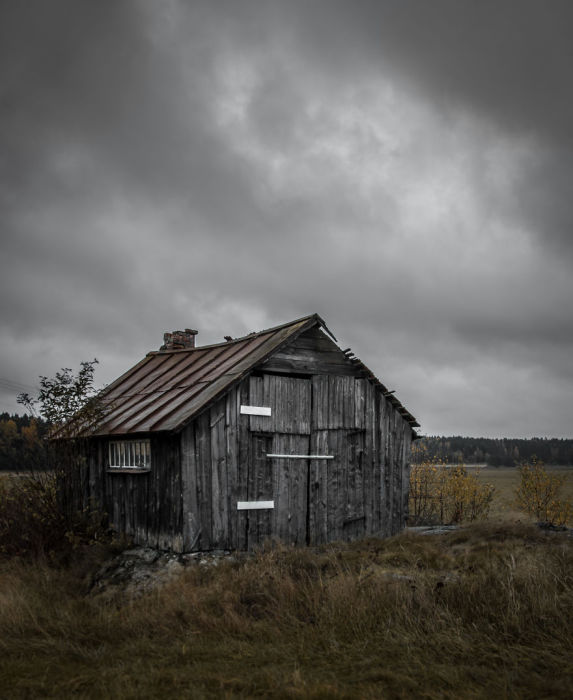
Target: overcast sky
{"x":403,"y":168}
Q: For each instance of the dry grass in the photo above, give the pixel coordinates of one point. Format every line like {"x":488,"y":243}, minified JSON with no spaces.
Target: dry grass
{"x":481,"y":612}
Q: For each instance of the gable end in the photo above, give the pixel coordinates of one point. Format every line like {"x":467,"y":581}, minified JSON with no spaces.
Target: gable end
{"x":312,"y":352}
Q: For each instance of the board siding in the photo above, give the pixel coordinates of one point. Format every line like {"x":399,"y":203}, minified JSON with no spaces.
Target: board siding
{"x":311,"y":353}
{"x":192,"y":525}
{"x":289,"y":399}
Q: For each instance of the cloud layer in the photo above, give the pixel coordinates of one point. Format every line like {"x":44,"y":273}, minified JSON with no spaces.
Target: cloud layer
{"x":403,"y":169}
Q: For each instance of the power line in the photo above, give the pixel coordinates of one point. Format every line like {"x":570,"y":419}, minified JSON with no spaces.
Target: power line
{"x":12,"y":385}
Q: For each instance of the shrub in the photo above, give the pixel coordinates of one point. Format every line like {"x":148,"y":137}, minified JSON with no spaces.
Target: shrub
{"x":465,"y":498}
{"x":538,"y":494}
{"x":32,"y":521}
{"x":426,"y":482}
{"x":439,"y":494}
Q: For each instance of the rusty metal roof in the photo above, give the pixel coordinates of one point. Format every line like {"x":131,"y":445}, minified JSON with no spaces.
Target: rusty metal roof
{"x":168,"y":388}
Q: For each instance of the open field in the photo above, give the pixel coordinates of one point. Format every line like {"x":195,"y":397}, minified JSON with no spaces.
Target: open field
{"x":481,"y":612}
{"x":506,"y":480}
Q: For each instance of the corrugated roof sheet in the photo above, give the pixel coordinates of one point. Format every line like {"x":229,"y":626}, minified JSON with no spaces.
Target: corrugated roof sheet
{"x":168,"y":387}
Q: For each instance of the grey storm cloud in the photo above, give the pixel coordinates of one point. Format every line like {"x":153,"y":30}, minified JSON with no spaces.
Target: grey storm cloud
{"x":402,"y":168}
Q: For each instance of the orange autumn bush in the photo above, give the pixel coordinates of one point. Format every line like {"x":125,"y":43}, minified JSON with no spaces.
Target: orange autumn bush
{"x":445,"y":495}
{"x":539,"y":494}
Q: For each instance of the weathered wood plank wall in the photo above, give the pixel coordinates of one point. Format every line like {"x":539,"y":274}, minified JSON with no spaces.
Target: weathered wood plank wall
{"x":147,"y":507}
{"x":311,"y":353}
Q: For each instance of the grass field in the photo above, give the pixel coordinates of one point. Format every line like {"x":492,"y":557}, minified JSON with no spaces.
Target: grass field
{"x":481,"y":612}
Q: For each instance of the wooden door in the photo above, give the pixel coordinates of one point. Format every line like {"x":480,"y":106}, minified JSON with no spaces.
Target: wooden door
{"x":282,"y":481}
{"x":353,"y":522}
{"x":313,"y":500}
{"x":290,"y":486}
{"x":282,"y":428}
{"x":260,"y":487}
{"x":336,"y":486}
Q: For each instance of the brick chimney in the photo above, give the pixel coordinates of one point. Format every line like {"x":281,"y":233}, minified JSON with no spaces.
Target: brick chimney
{"x":179,"y":340}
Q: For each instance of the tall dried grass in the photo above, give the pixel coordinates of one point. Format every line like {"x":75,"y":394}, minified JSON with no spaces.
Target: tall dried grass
{"x":483,"y":611}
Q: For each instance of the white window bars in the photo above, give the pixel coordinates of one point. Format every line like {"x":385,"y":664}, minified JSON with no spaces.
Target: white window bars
{"x":130,"y":454}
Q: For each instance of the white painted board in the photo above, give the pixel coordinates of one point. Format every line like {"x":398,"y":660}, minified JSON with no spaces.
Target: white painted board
{"x":302,"y":456}
{"x":256,"y":410}
{"x":254,"y":505}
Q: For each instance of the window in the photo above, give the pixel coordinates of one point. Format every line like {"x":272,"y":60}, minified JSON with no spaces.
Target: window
{"x":130,"y":454}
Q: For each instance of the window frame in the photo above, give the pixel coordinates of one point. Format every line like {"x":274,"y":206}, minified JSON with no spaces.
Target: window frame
{"x":133,"y":456}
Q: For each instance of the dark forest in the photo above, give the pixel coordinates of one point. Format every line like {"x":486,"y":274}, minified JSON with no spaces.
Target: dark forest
{"x":495,"y":452}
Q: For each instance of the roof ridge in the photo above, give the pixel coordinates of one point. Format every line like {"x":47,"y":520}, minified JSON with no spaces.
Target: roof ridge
{"x":248,"y":336}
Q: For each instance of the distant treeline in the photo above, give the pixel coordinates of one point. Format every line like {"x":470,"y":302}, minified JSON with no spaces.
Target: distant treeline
{"x":22,"y":442}
{"x":495,"y":452}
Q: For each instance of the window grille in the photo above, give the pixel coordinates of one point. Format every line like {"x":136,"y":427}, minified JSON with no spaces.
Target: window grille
{"x":130,"y":454}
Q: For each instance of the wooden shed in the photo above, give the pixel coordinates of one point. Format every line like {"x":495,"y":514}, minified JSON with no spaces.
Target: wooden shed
{"x":278,"y":434}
